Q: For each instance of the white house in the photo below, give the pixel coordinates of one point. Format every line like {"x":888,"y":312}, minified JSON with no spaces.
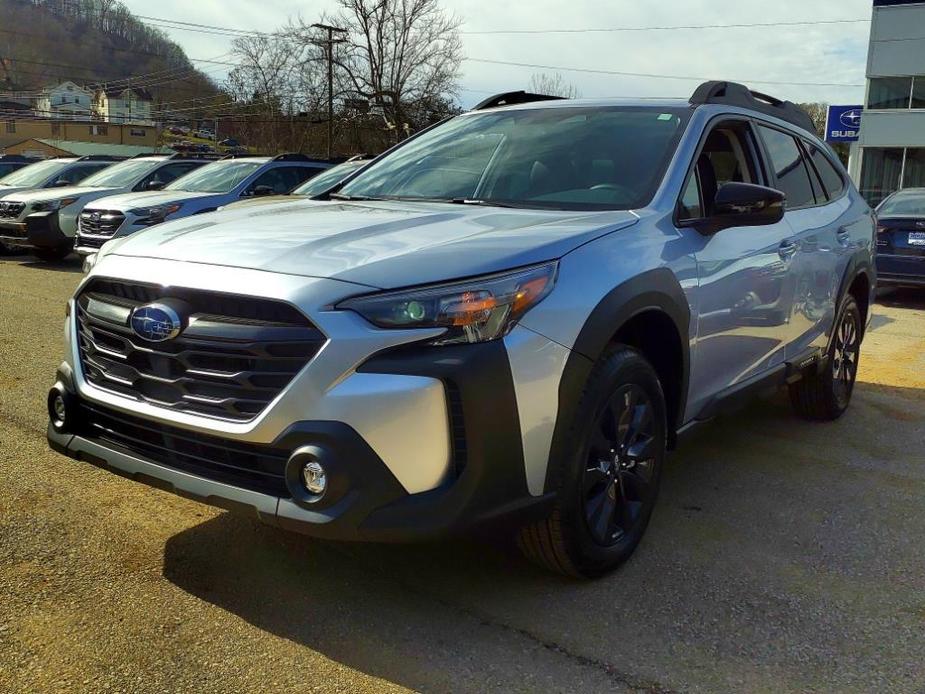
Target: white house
{"x":123,"y":105}
{"x":65,"y":100}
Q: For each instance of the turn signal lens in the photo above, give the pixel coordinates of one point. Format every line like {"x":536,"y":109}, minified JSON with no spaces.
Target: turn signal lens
{"x":476,"y":310}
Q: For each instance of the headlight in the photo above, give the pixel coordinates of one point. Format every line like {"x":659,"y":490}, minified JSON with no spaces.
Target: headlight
{"x":89,"y":262}
{"x":154,"y":215}
{"x":475,"y":310}
{"x":51,"y":205}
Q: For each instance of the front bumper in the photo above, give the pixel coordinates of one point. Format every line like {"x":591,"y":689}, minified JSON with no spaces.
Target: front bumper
{"x":366,"y":502}
{"x":38,"y":230}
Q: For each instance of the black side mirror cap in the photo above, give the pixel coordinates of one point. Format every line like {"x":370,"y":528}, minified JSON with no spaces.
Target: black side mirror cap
{"x":743,"y":205}
{"x":155,"y":185}
{"x":61,"y":183}
{"x":260,"y":191}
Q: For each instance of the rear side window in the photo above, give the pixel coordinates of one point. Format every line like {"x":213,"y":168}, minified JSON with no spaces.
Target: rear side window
{"x":789,"y":167}
{"x":76,"y":174}
{"x":831,"y":179}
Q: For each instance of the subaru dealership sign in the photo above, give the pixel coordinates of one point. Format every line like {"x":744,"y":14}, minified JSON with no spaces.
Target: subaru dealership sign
{"x":843,"y":124}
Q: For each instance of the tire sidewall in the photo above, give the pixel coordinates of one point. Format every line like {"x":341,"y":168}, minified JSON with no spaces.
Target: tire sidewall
{"x":848,"y":304}
{"x":621,"y":367}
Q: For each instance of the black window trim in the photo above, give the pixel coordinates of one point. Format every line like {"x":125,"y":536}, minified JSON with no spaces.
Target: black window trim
{"x":755,"y":150}
{"x":810,"y":170}
{"x":843,"y":191}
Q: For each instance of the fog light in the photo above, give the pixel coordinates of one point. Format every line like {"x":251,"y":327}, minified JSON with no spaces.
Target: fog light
{"x":313,"y":478}
{"x":58,"y":409}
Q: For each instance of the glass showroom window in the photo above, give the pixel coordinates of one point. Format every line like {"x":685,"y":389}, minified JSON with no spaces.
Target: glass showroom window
{"x":885,"y":170}
{"x":881,"y":171}
{"x":889,"y":92}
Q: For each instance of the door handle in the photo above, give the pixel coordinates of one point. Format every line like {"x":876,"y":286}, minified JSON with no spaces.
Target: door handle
{"x":787,"y":249}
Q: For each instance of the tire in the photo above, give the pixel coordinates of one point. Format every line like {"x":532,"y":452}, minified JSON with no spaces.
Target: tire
{"x":7,"y":249}
{"x":614,"y":467}
{"x":825,"y":394}
{"x":52,"y":254}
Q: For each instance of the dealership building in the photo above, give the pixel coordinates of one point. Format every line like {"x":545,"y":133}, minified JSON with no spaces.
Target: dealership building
{"x":891,"y":146}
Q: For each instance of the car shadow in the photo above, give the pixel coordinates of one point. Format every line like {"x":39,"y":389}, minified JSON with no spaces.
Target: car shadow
{"x":902,"y":297}
{"x":747,"y":509}
{"x":69,"y":265}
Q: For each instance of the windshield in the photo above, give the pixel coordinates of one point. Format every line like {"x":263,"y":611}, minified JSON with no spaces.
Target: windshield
{"x":327,"y":179}
{"x":903,"y":204}
{"x":217,"y":177}
{"x":573,"y":158}
{"x":121,"y":175}
{"x":35,"y":174}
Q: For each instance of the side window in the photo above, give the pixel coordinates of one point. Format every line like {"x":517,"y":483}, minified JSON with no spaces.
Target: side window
{"x":166,"y":174}
{"x":690,"y":207}
{"x":76,"y":174}
{"x":726,"y":156}
{"x":832,"y":181}
{"x":280,"y":179}
{"x":789,"y":167}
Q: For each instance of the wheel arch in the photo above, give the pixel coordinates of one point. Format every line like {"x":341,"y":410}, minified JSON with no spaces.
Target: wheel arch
{"x":649,"y":313}
{"x":859,"y":280}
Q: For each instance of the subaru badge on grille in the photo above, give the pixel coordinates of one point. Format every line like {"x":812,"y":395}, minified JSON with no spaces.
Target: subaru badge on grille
{"x":156,"y":322}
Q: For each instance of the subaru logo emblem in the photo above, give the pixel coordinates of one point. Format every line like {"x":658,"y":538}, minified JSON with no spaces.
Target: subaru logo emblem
{"x":851,"y":119}
{"x":95,"y":216}
{"x":156,"y":322}
{"x":920,"y":224}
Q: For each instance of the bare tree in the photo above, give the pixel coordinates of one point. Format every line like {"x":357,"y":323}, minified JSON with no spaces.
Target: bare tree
{"x":401,"y":55}
{"x":553,"y":85}
{"x":818,"y":112}
{"x":276,"y":87}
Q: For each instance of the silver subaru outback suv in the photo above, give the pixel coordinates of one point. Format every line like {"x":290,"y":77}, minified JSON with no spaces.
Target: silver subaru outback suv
{"x":508,"y":319}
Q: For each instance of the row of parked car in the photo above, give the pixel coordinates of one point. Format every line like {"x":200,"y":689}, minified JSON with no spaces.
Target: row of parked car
{"x":56,"y":206}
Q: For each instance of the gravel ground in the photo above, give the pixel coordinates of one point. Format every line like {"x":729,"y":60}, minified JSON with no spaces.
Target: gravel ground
{"x":783,"y":556}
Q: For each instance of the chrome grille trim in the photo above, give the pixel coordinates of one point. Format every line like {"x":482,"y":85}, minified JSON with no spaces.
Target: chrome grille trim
{"x":100,"y":222}
{"x":227,"y":363}
{"x":11,"y":210}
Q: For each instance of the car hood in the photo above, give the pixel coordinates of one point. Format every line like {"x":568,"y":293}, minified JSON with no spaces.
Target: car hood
{"x":59,"y":193}
{"x":14,"y":192}
{"x":379,"y":244}
{"x":265,"y":200}
{"x":148,"y":198}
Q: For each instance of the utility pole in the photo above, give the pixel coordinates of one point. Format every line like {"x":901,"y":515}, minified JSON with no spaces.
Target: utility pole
{"x":328,"y":43}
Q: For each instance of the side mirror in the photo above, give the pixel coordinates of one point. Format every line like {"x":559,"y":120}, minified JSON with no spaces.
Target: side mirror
{"x":155,"y":184}
{"x":61,"y":183}
{"x":261,"y":191}
{"x":743,"y":205}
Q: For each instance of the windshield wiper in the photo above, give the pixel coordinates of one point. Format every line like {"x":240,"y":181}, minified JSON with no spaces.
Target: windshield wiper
{"x":486,"y":203}
{"x":352,"y":198}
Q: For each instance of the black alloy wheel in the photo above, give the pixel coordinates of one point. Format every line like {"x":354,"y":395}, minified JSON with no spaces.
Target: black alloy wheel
{"x":845,"y":357}
{"x":618,"y":481}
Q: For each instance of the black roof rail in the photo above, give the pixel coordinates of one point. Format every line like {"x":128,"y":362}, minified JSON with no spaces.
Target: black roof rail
{"x":100,"y":157}
{"x":17,"y":157}
{"x":296,"y":156}
{"x":215,"y":156}
{"x":149,"y":154}
{"x":735,"y":94}
{"x":511,"y":98}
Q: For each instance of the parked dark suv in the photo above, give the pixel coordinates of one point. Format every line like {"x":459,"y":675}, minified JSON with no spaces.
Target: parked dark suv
{"x":511,"y":317}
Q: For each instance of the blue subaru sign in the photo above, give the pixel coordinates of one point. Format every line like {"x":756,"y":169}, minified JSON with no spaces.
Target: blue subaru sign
{"x":843,"y":124}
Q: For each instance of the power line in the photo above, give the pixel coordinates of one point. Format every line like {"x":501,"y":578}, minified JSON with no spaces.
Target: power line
{"x":672,"y":27}
{"x":621,"y":73}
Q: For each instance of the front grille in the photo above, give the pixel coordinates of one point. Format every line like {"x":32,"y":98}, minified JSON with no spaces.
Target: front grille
{"x":88,"y":242}
{"x":234,"y":355}
{"x":11,"y":210}
{"x":101,"y":222}
{"x":260,"y":468}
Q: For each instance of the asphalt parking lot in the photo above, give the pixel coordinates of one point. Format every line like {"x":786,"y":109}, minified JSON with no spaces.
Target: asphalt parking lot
{"x":783,"y":556}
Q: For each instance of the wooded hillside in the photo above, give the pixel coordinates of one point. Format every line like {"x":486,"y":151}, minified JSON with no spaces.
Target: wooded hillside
{"x":91,"y":42}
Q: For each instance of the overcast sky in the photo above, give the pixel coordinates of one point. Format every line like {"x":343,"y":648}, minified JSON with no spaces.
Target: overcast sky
{"x":824,"y":53}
